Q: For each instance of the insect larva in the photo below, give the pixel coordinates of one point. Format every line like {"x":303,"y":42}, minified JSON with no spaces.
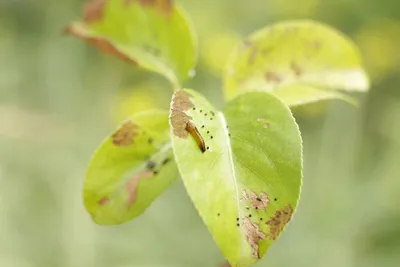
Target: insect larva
{"x":191,"y":128}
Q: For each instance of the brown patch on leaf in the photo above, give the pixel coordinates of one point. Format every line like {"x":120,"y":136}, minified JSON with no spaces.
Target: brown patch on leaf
{"x":100,"y":43}
{"x":94,"y":11}
{"x":125,"y":135}
{"x":179,"y":119}
{"x":246,"y":45}
{"x":253,"y":235}
{"x":244,"y":196}
{"x":278,"y":221}
{"x":316,"y":44}
{"x":257,"y":202}
{"x":272,"y":77}
{"x":131,"y":186}
{"x":163,"y":6}
{"x":297,"y":70}
{"x":103,"y":201}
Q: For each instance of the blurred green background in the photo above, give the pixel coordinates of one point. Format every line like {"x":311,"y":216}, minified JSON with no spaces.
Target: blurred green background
{"x":59,"y":98}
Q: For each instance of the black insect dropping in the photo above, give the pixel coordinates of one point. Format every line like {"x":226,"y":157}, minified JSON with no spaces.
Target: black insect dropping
{"x":237,"y":219}
{"x":258,"y":199}
{"x":212,"y":113}
{"x":249,"y":215}
{"x":208,"y":148}
{"x":205,"y":114}
{"x":165,"y":161}
{"x":238,"y":224}
{"x":229,"y":134}
{"x":202,"y":126}
{"x":194,"y":108}
{"x":208,"y":132}
{"x":210,"y":119}
{"x":256,"y":208}
{"x":261,"y":219}
{"x":275,"y":199}
{"x":247,"y":208}
{"x":211,"y":137}
{"x":150,"y":141}
{"x":150,"y":165}
{"x":218,"y":214}
{"x":155,"y":172}
{"x":201,"y":110}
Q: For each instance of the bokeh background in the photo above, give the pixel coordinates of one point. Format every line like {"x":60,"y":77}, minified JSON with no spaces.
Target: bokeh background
{"x":59,"y":98}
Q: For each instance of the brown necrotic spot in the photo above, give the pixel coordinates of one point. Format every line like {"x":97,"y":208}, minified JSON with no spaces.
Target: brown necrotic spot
{"x":103,"y":201}
{"x":257,"y":202}
{"x":272,"y":77}
{"x":163,"y":6}
{"x":126,"y":134}
{"x":278,"y":222}
{"x":100,"y":43}
{"x":253,"y":235}
{"x":179,"y":119}
{"x":296,"y":69}
{"x":132,"y":184}
{"x":94,"y":11}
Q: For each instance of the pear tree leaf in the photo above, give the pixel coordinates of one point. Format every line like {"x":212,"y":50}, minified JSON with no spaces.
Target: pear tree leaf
{"x":241,"y":167}
{"x":153,"y":34}
{"x":131,"y":168}
{"x":296,"y":52}
{"x":301,"y":94}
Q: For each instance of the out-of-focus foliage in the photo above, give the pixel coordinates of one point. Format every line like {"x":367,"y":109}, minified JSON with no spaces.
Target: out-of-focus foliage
{"x":306,"y":53}
{"x":58,"y":100}
{"x":154,"y":35}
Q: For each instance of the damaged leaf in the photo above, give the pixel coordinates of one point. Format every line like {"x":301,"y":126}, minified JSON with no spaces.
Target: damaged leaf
{"x":130,"y":169}
{"x":247,"y":173}
{"x":299,"y":61}
{"x":152,"y":34}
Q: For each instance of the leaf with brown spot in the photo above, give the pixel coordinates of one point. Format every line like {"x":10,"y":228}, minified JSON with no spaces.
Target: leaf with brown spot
{"x":179,"y":118}
{"x":297,"y":55}
{"x":125,"y":135}
{"x":132,"y":184}
{"x":278,"y":222}
{"x":253,"y":235}
{"x":229,"y":183}
{"x":152,"y":34}
{"x":122,"y":182}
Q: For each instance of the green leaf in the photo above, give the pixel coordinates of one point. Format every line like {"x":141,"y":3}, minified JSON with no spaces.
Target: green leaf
{"x":153,"y":34}
{"x":296,"y":52}
{"x":130,"y":170}
{"x":246,"y":182}
{"x":300,"y":94}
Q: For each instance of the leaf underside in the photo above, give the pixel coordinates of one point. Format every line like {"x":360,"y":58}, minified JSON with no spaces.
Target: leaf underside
{"x":298,"y":55}
{"x":246,"y":183}
{"x":130,"y":169}
{"x":152,"y":34}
